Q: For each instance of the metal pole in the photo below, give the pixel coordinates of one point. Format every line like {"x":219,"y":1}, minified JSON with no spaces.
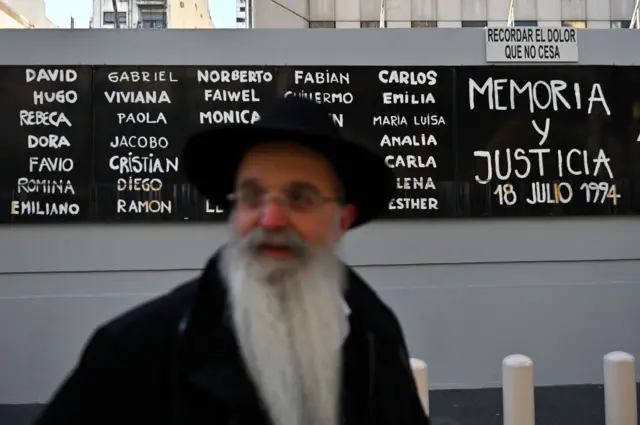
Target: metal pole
{"x":511,"y":17}
{"x":635,"y":17}
{"x":115,"y":13}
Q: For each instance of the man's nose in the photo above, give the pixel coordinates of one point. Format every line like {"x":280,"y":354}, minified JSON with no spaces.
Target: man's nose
{"x":273,"y":215}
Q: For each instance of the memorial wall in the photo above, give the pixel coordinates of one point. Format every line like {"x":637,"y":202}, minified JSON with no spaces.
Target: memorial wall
{"x":102,"y":143}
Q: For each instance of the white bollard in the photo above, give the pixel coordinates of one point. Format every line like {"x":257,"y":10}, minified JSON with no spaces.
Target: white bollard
{"x":421,"y":376}
{"x":517,"y":390}
{"x":620,"y":403}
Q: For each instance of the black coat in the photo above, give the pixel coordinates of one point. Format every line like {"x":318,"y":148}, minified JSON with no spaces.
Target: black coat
{"x":174,"y":360}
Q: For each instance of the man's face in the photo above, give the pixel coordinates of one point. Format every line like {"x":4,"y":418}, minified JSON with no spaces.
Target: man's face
{"x":285,"y":187}
{"x":286,"y":284}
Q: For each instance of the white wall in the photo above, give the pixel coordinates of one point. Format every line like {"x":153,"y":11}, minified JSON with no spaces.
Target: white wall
{"x":189,"y":14}
{"x":31,"y":10}
{"x":283,"y":14}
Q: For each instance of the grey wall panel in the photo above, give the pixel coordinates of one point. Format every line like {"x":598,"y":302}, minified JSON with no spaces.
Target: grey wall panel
{"x":526,"y":10}
{"x":573,"y":10}
{"x":474,"y":10}
{"x":462,"y":319}
{"x":114,"y":247}
{"x":285,"y":46}
{"x":46,"y":318}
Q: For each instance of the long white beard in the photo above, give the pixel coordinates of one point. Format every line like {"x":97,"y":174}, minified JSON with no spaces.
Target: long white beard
{"x":290,"y":327}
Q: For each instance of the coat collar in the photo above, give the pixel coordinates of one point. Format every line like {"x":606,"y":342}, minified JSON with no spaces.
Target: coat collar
{"x":210,"y":358}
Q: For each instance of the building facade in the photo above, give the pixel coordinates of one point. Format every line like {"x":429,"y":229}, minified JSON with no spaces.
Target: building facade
{"x":433,"y":13}
{"x":24,"y":14}
{"x":243,"y":15}
{"x":151,"y":14}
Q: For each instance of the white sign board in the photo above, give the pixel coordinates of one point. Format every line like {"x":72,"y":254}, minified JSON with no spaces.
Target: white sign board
{"x":531,"y":44}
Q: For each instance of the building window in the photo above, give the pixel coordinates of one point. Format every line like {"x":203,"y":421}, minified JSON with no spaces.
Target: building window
{"x":424,"y":24}
{"x":182,"y":4}
{"x":153,"y":17}
{"x":109,"y":18}
{"x":239,"y":20}
{"x":525,"y":23}
{"x":620,"y":24}
{"x":322,"y":24}
{"x":574,"y":24}
{"x":243,"y":9}
{"x":371,"y":24}
{"x":474,"y":24}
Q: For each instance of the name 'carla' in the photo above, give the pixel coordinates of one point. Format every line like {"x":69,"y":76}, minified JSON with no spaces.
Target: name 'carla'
{"x":401,"y":121}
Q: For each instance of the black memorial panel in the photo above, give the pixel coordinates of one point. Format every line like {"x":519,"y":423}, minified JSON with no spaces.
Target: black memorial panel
{"x":46,"y":150}
{"x":221,"y":95}
{"x":547,"y":140}
{"x":403,"y":113}
{"x":103,"y":143}
{"x":140,"y":125}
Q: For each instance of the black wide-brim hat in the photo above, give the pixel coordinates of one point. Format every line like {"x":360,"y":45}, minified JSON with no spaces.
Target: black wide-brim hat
{"x":210,"y":159}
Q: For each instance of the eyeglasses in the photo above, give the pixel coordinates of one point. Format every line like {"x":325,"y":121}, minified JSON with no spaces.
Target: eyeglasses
{"x":297,"y":199}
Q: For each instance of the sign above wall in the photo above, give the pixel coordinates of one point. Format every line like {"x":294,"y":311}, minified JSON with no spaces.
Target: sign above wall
{"x":531,"y":44}
{"x":103,"y":143}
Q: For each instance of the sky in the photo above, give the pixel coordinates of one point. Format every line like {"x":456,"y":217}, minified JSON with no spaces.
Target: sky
{"x":223,"y":12}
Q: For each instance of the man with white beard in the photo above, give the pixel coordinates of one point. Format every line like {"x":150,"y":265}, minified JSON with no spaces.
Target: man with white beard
{"x":277,"y":330}
{"x":289,"y":325}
